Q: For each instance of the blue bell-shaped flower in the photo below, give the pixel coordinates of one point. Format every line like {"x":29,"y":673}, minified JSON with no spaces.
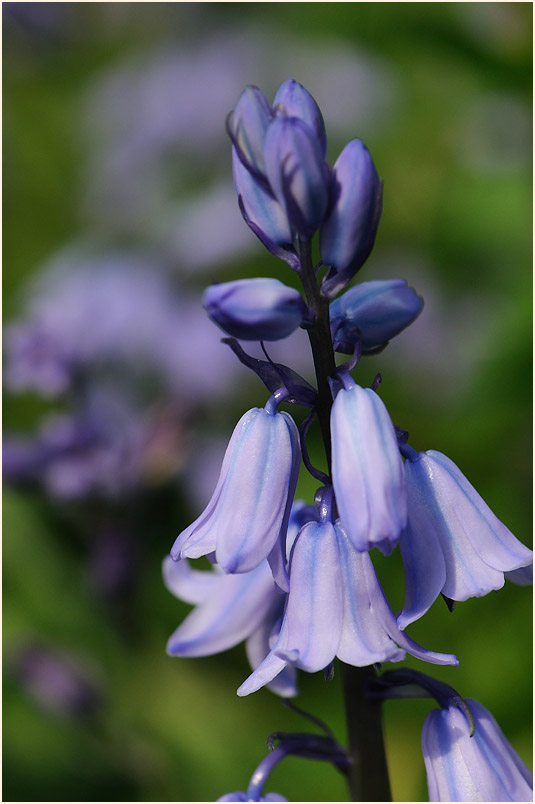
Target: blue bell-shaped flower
{"x":372,"y":313}
{"x":453,"y":543}
{"x":482,"y":767}
{"x":247,"y":517}
{"x":258,"y":309}
{"x":335,"y":607}
{"x":367,"y":471}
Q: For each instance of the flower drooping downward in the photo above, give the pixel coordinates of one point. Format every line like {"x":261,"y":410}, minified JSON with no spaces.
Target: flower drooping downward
{"x":247,"y":516}
{"x":481,"y":767}
{"x":453,"y":543}
{"x":367,"y":471}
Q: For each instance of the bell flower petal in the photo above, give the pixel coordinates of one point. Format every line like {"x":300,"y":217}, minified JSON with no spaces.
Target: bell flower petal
{"x":348,"y":233}
{"x":298,"y":102}
{"x":476,"y":548}
{"x":484,"y":767}
{"x":372,"y":313}
{"x":312,"y":623}
{"x":229,"y":607}
{"x":247,"y":125}
{"x":258,"y":309}
{"x":297,"y":172}
{"x":249,"y":510}
{"x":258,"y":646}
{"x":367,"y":471}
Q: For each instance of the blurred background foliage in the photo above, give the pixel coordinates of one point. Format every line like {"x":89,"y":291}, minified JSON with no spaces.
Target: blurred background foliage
{"x":115,"y":149}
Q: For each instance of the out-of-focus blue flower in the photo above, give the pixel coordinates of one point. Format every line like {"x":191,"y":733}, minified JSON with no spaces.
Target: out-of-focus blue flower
{"x":298,"y":173}
{"x":247,"y":125}
{"x":258,"y":309}
{"x":483,"y":767}
{"x":335,"y":607}
{"x":247,"y":516}
{"x":372,"y":313}
{"x":142,"y":317}
{"x":367,"y":471}
{"x":229,"y":609}
{"x":453,"y":542}
{"x":104,"y":448}
{"x":298,"y":102}
{"x":56,"y":682}
{"x":348,"y":233}
{"x":38,"y":359}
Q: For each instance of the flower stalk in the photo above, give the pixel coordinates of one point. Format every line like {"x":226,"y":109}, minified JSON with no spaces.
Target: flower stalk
{"x":367,"y":775}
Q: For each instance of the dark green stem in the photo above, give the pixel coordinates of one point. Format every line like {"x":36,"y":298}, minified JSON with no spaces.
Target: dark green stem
{"x":368,"y":776}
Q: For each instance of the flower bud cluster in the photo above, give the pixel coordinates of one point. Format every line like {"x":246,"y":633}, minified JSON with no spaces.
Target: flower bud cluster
{"x":288,"y":191}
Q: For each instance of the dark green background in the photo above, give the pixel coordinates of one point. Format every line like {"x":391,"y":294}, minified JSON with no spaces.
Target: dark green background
{"x":457,"y":214}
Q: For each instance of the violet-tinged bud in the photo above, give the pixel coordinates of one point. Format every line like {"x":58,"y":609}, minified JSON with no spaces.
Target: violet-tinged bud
{"x":372,"y":313}
{"x":298,"y":102}
{"x":367,"y":470}
{"x":348,"y":233}
{"x":247,"y":517}
{"x":297,"y":172}
{"x":247,"y":125}
{"x":484,"y":767}
{"x":453,"y":543}
{"x":258,"y":309}
{"x":263,"y":214}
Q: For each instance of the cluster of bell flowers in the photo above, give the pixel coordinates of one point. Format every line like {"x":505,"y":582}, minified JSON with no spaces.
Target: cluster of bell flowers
{"x":381,"y":491}
{"x":310,"y":565}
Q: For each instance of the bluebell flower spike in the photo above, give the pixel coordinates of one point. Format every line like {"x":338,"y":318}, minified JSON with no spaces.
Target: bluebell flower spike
{"x":482,"y":767}
{"x":367,"y":472}
{"x":453,"y":543}
{"x":258,"y":309}
{"x":348,"y":232}
{"x":372,"y":313}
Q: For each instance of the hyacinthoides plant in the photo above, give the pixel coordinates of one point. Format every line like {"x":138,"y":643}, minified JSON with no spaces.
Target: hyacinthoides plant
{"x":294,"y":580}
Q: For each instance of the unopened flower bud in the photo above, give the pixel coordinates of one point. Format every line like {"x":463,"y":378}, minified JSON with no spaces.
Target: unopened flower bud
{"x":372,"y":313}
{"x":297,"y":172}
{"x":247,"y":125}
{"x":298,"y":102}
{"x":348,"y":233}
{"x":259,"y":309}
